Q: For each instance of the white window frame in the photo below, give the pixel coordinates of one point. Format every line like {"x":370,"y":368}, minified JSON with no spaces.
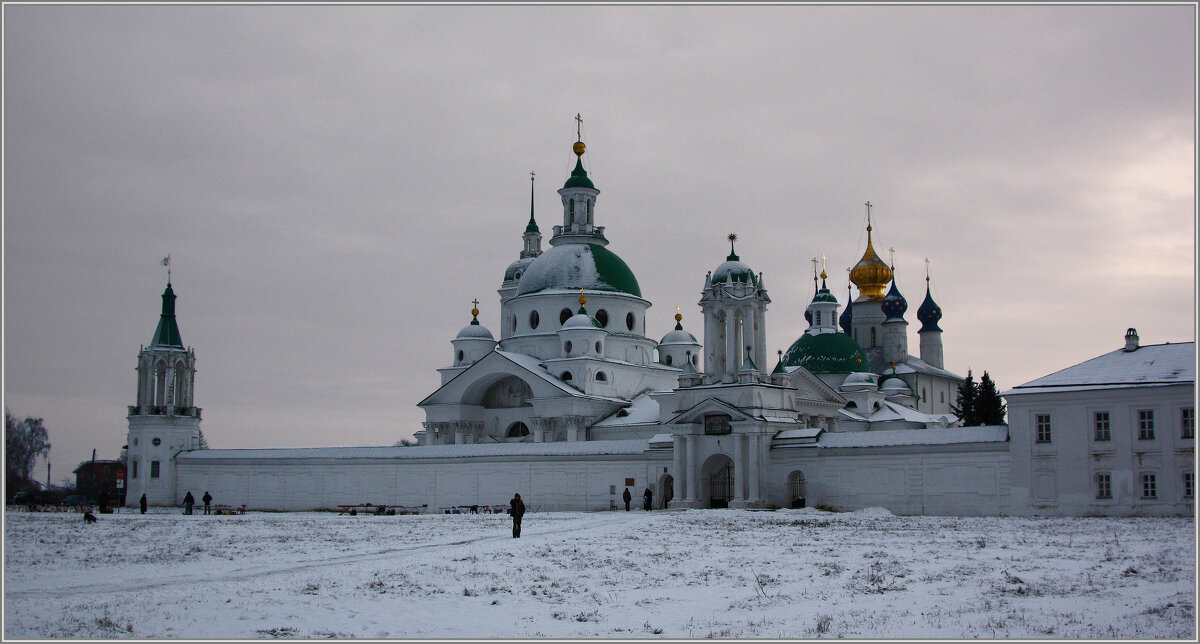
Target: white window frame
{"x":1043,"y":428}
{"x":1145,"y":424}
{"x":1149,"y":484}
{"x":1187,"y":422}
{"x":1103,"y":486}
{"x":1101,"y":427}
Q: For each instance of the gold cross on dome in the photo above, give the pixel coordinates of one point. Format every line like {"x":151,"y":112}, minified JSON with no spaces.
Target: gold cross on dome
{"x":578,"y":127}
{"x":814,"y":262}
{"x":868,"y":213}
{"x":823,"y":258}
{"x":475,"y":302}
{"x":892,"y":254}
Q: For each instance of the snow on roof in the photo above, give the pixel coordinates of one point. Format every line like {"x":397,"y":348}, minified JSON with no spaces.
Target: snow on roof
{"x":893,"y":411}
{"x":804,"y":432}
{"x":778,"y":419}
{"x":889,"y":437}
{"x":1150,"y":365}
{"x":534,"y":366}
{"x":643,"y":410}
{"x":659,"y":440}
{"x":476,"y":450}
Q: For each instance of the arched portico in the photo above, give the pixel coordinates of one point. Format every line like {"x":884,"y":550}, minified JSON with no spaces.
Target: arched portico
{"x":717,"y":480}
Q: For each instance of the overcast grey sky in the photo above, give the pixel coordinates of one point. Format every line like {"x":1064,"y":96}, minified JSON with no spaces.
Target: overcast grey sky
{"x":336,"y":184}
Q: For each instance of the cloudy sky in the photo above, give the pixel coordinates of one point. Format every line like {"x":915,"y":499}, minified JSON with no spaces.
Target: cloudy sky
{"x":336,"y":184}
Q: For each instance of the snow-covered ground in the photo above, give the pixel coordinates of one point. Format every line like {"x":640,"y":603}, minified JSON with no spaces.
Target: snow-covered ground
{"x":679,"y":574}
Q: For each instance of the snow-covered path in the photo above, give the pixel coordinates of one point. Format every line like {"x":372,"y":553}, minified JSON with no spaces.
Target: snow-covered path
{"x":721,"y":573}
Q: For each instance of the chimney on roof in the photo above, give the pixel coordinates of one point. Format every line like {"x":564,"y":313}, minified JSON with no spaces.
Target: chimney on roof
{"x":1131,"y":340}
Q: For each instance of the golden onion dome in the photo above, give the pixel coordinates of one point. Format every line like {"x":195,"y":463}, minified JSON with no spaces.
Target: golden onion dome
{"x":870,"y":274}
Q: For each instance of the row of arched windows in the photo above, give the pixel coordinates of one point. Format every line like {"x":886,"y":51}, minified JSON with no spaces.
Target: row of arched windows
{"x":602,"y":316}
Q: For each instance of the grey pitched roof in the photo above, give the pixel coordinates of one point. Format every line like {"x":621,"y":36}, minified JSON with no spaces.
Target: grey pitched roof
{"x":1152,"y":365}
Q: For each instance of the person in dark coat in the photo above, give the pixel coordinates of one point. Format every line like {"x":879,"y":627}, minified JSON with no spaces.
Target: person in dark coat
{"x":647,"y":498}
{"x":142,"y":503}
{"x":207,"y":498}
{"x":187,"y":502}
{"x":628,"y":497}
{"x":517,"y":510}
{"x":102,"y":501}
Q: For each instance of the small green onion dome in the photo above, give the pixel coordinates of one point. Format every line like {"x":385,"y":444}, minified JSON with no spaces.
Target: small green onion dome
{"x":574,"y":266}
{"x":824,"y":295}
{"x":579,"y":177}
{"x":826,"y":353}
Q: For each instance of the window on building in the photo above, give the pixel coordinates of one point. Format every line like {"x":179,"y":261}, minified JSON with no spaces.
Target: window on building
{"x":1043,"y":428}
{"x":817,"y":318}
{"x":602,"y":317}
{"x":717,"y":424}
{"x":1145,"y":424}
{"x":601,"y":376}
{"x":667,"y":361}
{"x":517,"y":430}
{"x":1103,"y":428}
{"x":1188,"y":483}
{"x":629,"y":320}
{"x":566,"y":375}
{"x":1149,"y":486}
{"x":1187,"y":422}
{"x":599,"y":347}
{"x":942,"y":396}
{"x":563,"y":316}
{"x":567,"y":347}
{"x":153,"y":469}
{"x":534,"y":319}
{"x":1104,"y":485}
{"x":923,"y":394}
{"x":133,"y":472}
{"x":460,"y":356}
{"x":872,"y":336}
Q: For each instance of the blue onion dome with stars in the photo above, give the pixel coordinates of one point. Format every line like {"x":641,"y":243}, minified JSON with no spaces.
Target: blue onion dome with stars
{"x":894,"y":305}
{"x":732,"y":269}
{"x":847,"y":319}
{"x":930,"y":312}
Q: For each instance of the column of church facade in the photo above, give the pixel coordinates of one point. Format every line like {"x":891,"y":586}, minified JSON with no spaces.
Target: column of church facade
{"x":681,"y":481}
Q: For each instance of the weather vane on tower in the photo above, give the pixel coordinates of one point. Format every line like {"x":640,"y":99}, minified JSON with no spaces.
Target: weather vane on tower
{"x":166,"y":261}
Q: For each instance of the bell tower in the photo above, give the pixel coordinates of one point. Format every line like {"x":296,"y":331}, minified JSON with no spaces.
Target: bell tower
{"x":164,"y":421}
{"x":734,"y":303}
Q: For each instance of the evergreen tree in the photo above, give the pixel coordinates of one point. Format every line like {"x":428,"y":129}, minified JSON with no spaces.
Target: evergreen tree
{"x":968,"y":396}
{"x":989,"y":407}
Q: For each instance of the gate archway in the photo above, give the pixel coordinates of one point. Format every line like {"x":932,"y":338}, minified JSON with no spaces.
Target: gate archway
{"x":717,"y":481}
{"x":797,"y":490}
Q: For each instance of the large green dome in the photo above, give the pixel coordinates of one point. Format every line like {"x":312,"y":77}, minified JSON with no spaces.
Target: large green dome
{"x":574,"y":266}
{"x":826,"y":353}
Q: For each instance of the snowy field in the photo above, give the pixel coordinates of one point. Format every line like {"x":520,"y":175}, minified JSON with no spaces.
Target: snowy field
{"x":679,"y":574}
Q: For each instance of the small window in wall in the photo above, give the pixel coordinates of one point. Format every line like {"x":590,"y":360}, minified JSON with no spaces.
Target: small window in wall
{"x":667,"y":361}
{"x":514,"y":324}
{"x":1104,"y":485}
{"x":563,"y":316}
{"x":817,"y":318}
{"x":534,"y":319}
{"x":567,"y":346}
{"x":1187,"y":422}
{"x":517,"y":430}
{"x":693,"y":361}
{"x":599,"y":347}
{"x":629,"y":321}
{"x":1145,"y":424}
{"x":943,"y":395}
{"x":1149,"y":485}
{"x":717,"y":424}
{"x":156,"y":442}
{"x":133,"y":473}
{"x":565,"y":377}
{"x":153,"y":469}
{"x":923,"y":398}
{"x":1042,"y":423}
{"x":872,"y":336}
{"x":601,"y":376}
{"x":1103,"y":426}
{"x":602,"y":317}
{"x":460,"y":356}
{"x":1188,"y":485}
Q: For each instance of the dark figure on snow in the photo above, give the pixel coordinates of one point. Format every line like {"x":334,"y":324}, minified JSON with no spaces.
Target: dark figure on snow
{"x":647,"y":498}
{"x":188,"y":501}
{"x":142,"y":503}
{"x":628,"y":497}
{"x":88,"y":517}
{"x":517,"y":510}
{"x":102,"y":501}
{"x":207,"y":498}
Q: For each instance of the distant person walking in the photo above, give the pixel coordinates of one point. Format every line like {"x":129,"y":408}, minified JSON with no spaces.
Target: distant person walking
{"x":628,"y":497}
{"x":647,"y":499}
{"x":517,"y":510}
{"x":207,"y":498}
{"x":142,"y":503}
{"x":188,"y":501}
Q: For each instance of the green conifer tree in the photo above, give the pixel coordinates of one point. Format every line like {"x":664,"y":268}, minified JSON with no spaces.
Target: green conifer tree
{"x":968,"y":395}
{"x":989,"y":407}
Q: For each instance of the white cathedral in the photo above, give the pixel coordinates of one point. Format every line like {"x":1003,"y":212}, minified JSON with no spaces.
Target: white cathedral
{"x":574,"y":403}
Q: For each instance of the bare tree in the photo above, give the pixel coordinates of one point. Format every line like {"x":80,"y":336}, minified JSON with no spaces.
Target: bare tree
{"x":24,"y":442}
{"x":405,"y":442}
